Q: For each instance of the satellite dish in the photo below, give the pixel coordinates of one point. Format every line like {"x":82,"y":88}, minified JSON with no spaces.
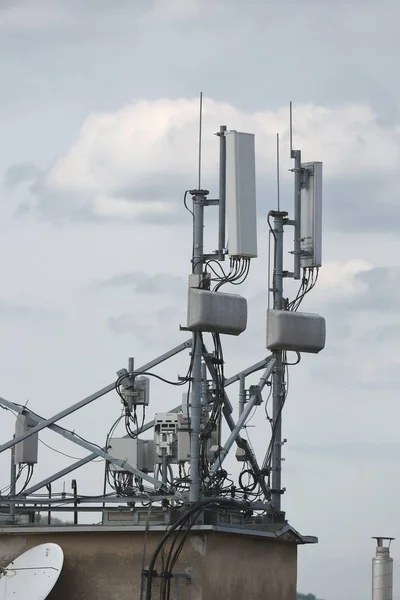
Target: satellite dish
{"x":33,"y":574}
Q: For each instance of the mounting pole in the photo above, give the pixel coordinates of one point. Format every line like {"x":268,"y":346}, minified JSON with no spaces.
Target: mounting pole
{"x":13,"y":480}
{"x":296,"y":155}
{"x":278,"y":389}
{"x":195,"y":405}
{"x":242,"y":392}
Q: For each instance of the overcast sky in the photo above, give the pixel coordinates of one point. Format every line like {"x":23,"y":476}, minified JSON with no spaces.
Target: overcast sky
{"x":98,"y":125}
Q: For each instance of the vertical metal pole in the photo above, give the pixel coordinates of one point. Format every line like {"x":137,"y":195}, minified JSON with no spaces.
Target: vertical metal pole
{"x":242,"y":393}
{"x":131,"y":365}
{"x":222,"y":192}
{"x":48,"y":486}
{"x":74,"y":487}
{"x":204,"y":389}
{"x":197,"y":350}
{"x":277,"y":377}
{"x":296,"y":154}
{"x":13,"y":479}
{"x":164,"y":466}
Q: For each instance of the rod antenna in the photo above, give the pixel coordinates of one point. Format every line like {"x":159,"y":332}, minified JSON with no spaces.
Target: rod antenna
{"x":200,"y":134}
{"x":278,"y":192}
{"x":291,"y":128}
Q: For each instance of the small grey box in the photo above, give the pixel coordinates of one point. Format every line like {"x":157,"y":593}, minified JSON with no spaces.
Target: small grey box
{"x":127,"y":449}
{"x":215,"y":312}
{"x":26,"y":452}
{"x":298,"y":332}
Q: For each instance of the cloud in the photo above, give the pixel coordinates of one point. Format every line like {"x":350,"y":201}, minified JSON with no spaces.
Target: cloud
{"x":30,"y":15}
{"x":20,"y":173}
{"x":137,"y":161}
{"x":146,"y":326}
{"x":180,"y":9}
{"x":20,"y":312}
{"x":359,"y":286}
{"x":142,"y":283}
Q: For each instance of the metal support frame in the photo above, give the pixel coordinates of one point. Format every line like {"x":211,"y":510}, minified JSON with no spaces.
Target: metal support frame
{"x":256,"y":367}
{"x":43,"y":423}
{"x":227,"y":411}
{"x":278,"y":390}
{"x":69,"y":435}
{"x":75,"y":407}
{"x":254,"y":398}
{"x":240,"y":442}
{"x":85,"y":460}
{"x":99,"y":452}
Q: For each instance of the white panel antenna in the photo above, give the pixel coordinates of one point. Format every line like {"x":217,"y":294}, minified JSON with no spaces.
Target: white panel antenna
{"x":311,"y":216}
{"x":33,"y":574}
{"x":241,"y":210}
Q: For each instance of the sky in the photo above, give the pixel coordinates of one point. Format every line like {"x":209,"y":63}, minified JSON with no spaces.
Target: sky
{"x":99,"y":126}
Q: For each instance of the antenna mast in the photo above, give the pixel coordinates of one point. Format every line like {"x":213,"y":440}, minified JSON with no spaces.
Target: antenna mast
{"x":285,"y":326}
{"x":200,"y":135}
{"x":278,"y":194}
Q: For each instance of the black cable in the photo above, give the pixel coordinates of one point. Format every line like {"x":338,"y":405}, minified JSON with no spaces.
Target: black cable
{"x":185,"y":204}
{"x":294,"y":363}
{"x":27,"y":480}
{"x":309,"y":280}
{"x":248,"y":488}
{"x":201,"y":505}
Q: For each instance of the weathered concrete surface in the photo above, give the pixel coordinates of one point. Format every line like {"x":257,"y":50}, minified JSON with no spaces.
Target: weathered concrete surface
{"x":107,"y":565}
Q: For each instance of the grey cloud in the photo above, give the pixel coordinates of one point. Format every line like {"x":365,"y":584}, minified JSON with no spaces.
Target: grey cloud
{"x":123,"y":324}
{"x":56,"y":206}
{"x":21,"y":173}
{"x":143,"y":283}
{"x":21,"y":312}
{"x":213,"y":39}
{"x":382,"y":285}
{"x":147,"y":328}
{"x":4,"y":4}
{"x":51,"y":205}
{"x":348,"y":205}
{"x":378,"y":293}
{"x":362,"y":204}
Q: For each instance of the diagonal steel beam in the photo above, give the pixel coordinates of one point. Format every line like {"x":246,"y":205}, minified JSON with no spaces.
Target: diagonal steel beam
{"x":69,"y":435}
{"x":257,"y":367}
{"x":43,"y":423}
{"x":254,"y":398}
{"x":241,"y":443}
{"x":82,"y":461}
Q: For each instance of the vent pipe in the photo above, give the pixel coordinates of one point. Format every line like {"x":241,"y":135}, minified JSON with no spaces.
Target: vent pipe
{"x":382,"y":570}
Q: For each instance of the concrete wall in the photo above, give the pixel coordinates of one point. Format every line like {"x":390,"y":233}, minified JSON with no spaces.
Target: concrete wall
{"x":106,"y":565}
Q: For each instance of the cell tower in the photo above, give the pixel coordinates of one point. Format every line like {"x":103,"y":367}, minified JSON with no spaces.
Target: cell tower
{"x":179,"y":470}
